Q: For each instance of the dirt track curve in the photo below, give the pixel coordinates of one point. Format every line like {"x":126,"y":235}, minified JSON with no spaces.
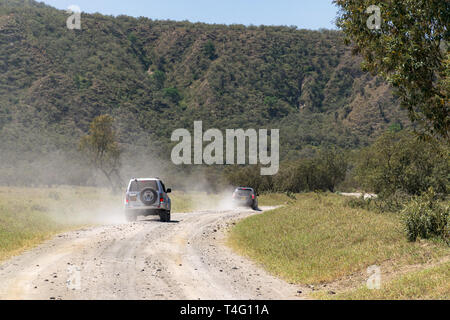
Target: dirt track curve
{"x":184,"y":259}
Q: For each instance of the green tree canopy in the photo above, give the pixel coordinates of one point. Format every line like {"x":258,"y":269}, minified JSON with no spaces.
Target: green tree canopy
{"x":409,"y":48}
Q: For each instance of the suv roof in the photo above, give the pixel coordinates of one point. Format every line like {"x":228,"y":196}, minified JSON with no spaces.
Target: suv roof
{"x":144,"y":179}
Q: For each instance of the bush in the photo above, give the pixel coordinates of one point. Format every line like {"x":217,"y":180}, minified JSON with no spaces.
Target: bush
{"x":425,"y":217}
{"x":359,"y":203}
{"x":159,"y":77}
{"x":398,"y":167}
{"x":173,"y":94}
{"x":249,"y":176}
{"x":209,"y":50}
{"x":394,"y":203}
{"x":399,"y":163}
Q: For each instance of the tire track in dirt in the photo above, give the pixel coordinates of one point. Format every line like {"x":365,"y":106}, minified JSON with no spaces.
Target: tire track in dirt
{"x":184,"y":259}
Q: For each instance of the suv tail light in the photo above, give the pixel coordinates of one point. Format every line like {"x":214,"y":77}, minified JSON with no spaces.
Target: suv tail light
{"x":161,"y":200}
{"x":253,"y":196}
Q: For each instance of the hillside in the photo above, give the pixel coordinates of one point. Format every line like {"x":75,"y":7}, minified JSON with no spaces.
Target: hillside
{"x":156,"y":76}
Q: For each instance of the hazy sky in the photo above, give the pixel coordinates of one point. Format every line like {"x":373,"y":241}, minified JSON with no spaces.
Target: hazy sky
{"x":308,"y":14}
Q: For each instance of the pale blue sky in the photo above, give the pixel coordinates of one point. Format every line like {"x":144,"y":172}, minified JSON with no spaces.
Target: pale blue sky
{"x":308,"y":14}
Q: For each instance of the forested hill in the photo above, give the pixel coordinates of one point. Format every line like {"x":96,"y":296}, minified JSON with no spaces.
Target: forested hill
{"x":156,"y":76}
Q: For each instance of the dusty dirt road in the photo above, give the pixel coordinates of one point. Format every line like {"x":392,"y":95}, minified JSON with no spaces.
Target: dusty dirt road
{"x":184,"y":259}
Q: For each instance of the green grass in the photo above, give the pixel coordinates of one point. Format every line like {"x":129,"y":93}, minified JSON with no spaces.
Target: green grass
{"x":432,"y":283}
{"x":318,"y":239}
{"x":273,"y":199}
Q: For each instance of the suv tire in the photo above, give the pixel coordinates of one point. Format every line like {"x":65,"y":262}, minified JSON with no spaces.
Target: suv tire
{"x":165,"y":216}
{"x":148,"y":196}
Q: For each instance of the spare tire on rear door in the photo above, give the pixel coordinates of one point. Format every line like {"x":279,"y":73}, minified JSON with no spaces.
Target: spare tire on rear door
{"x":148,"y":196}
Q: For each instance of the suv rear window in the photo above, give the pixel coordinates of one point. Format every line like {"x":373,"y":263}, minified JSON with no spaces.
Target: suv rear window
{"x":244,"y":192}
{"x":137,"y":186}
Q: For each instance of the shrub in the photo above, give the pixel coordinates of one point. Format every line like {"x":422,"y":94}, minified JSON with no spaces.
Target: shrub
{"x":209,"y":50}
{"x":401,"y":162}
{"x":249,"y":176}
{"x":425,"y":217}
{"x":173,"y":94}
{"x":291,"y":195}
{"x":394,"y":203}
{"x":159,"y":77}
{"x":398,"y":167}
{"x":359,"y":203}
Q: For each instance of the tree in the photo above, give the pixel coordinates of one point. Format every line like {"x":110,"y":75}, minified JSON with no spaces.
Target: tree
{"x":408,"y":46}
{"x":332,"y":165}
{"x":249,"y":176}
{"x":397,"y":163}
{"x":173,"y":94}
{"x":159,"y":77}
{"x":209,"y":50}
{"x":102,"y":150}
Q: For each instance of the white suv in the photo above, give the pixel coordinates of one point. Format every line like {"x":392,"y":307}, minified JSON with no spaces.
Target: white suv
{"x":147,"y":196}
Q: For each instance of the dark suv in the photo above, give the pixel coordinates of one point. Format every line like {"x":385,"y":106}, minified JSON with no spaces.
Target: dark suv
{"x":147,"y":196}
{"x":244,"y":196}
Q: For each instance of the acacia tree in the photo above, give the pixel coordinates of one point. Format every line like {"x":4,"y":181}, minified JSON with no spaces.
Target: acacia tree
{"x":102,"y":149}
{"x":408,"y":46}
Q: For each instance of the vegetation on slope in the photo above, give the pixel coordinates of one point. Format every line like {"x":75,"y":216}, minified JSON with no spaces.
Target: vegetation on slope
{"x":156,"y":76}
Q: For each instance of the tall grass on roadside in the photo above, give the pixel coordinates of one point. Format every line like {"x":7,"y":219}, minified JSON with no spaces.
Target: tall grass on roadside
{"x":24,"y":221}
{"x":29,"y":216}
{"x":317,"y":239}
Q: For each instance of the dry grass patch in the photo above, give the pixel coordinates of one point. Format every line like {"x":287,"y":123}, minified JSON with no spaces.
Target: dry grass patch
{"x":29,"y":216}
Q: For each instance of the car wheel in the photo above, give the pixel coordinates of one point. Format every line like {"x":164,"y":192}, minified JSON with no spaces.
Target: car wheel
{"x":165,"y":216}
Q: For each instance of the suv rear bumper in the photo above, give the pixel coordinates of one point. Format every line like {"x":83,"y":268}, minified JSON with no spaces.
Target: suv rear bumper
{"x":154,"y":209}
{"x":157,"y":206}
{"x":143,"y":207}
{"x":248,"y":202}
{"x":145,"y":211}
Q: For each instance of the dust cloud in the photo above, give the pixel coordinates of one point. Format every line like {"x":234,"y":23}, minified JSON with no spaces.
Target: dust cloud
{"x":73,"y":193}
